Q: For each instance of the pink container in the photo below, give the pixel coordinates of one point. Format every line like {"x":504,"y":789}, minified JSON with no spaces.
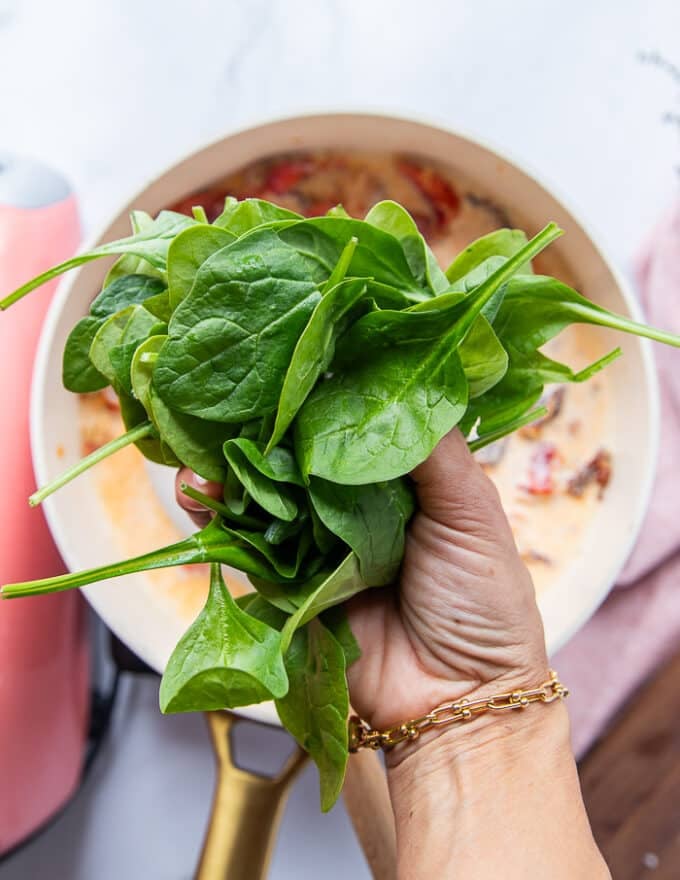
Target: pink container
{"x":44,"y":695}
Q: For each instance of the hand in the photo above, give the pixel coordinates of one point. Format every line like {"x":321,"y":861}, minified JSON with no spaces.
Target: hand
{"x":465,"y":618}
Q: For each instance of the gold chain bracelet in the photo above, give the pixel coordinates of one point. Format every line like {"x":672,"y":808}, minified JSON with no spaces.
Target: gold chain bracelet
{"x":361,"y":736}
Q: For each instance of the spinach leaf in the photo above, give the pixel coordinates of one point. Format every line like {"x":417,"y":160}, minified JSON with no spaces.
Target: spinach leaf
{"x":232,"y":337}
{"x":392,"y":218}
{"x":196,"y":442}
{"x":140,"y":325}
{"x":78,"y":372}
{"x":523,"y":384}
{"x":321,"y":592}
{"x":500,"y":243}
{"x":284,"y":560}
{"x":316,"y":706}
{"x":151,"y":447}
{"x":266,"y":479}
{"x":539,"y":307}
{"x":258,"y":607}
{"x":129,"y":290}
{"x":240,"y":217}
{"x":484,"y":359}
{"x":107,"y":337}
{"x":401,"y":389}
{"x":335,"y":619}
{"x":315,"y":350}
{"x":226,"y":659}
{"x":378,"y":256}
{"x":187,"y":253}
{"x":150,"y":244}
{"x":371,"y":519}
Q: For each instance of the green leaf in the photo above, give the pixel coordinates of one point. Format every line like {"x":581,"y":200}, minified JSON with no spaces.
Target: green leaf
{"x":107,"y":337}
{"x":392,"y":218}
{"x":371,"y":519}
{"x":232,"y":337}
{"x":140,"y":325}
{"x":130,"y":290}
{"x":335,"y":619}
{"x":240,"y":217}
{"x":315,"y":350}
{"x":153,"y":448}
{"x":378,"y":257}
{"x":537,"y":308}
{"x":226,"y":659}
{"x":78,"y":372}
{"x":321,"y":592}
{"x":187,"y":253}
{"x":267,"y":479}
{"x":316,"y":707}
{"x":500,"y":243}
{"x":484,"y":359}
{"x":196,"y":443}
{"x":141,"y":369}
{"x":159,"y":306}
{"x":258,"y":607}
{"x":400,"y":390}
{"x":284,"y":560}
{"x":150,"y":244}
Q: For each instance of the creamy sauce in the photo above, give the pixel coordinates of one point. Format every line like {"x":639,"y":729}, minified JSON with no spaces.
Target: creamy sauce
{"x":451,"y":212}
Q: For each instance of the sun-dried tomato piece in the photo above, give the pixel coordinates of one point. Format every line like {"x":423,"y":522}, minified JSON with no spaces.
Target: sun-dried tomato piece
{"x":285,"y":175}
{"x":552,"y":400}
{"x":598,"y":471}
{"x":436,"y":189}
{"x":541,"y":480}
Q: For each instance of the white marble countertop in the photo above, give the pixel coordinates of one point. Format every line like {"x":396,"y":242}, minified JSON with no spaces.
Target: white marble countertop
{"x":111,"y":91}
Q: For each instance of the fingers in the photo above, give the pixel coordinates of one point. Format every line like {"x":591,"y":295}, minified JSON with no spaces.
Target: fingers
{"x":199,"y":515}
{"x":453,"y":489}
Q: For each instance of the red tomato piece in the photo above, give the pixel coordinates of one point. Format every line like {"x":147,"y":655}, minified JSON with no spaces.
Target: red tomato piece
{"x":541,"y":480}
{"x":283,"y":176}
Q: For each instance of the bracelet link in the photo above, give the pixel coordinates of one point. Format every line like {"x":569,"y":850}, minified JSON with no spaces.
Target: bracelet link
{"x":361,"y":736}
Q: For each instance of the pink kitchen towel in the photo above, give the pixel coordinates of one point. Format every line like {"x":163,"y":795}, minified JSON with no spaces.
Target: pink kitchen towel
{"x":638,"y":627}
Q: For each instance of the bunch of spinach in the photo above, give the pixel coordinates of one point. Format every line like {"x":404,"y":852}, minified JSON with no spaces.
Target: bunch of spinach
{"x":308,"y":365}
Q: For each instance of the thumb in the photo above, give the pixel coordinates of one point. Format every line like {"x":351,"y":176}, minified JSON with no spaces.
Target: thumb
{"x":454,"y":491}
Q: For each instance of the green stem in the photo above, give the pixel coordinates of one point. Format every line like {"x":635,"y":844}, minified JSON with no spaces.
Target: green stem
{"x":54,"y":272}
{"x":218,"y":507}
{"x":504,"y":430}
{"x":589,"y":371}
{"x":199,"y":214}
{"x":132,"y":436}
{"x":618,"y":322}
{"x":185,"y":552}
{"x":342,"y":265}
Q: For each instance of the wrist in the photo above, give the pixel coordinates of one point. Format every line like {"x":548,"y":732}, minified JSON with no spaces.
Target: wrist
{"x":486,"y":741}
{"x":499,"y":795}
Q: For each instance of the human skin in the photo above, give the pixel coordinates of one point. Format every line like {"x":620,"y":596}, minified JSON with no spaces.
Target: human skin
{"x":497,"y":796}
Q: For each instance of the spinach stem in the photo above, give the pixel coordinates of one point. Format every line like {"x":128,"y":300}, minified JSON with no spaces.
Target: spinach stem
{"x":618,"y":322}
{"x":132,"y":436}
{"x":54,"y":272}
{"x":184,"y":552}
{"x":218,"y":507}
{"x":508,"y":428}
{"x":199,"y":214}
